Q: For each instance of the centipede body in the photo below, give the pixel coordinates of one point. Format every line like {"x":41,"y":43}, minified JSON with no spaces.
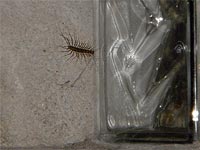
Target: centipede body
{"x":76,"y":48}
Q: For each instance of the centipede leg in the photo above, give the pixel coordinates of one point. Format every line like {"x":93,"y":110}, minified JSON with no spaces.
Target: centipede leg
{"x":77,"y":43}
{"x":63,"y":47}
{"x":72,"y":55}
{"x":78,"y":55}
{"x":68,"y":41}
{"x":76,"y":40}
{"x":70,"y":52}
{"x":81,"y":44}
{"x":65,"y":38}
{"x":75,"y":56}
{"x":72,"y":41}
{"x":84,"y":56}
{"x":84,"y":45}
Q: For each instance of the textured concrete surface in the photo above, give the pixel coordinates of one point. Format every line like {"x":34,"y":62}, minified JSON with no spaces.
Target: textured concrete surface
{"x":35,"y":109}
{"x":38,"y":107}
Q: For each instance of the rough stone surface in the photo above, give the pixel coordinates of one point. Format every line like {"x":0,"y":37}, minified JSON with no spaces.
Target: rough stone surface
{"x":38,"y":107}
{"x":38,"y":104}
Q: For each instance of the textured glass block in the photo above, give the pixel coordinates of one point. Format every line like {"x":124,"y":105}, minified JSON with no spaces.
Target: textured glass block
{"x":148,"y":70}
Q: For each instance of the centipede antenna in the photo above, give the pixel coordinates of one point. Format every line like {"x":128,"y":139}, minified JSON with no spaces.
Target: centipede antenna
{"x":64,"y":47}
{"x":65,"y":51}
{"x":65,"y":38}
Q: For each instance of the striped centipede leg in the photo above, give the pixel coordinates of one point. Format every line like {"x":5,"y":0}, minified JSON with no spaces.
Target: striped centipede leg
{"x":76,"y":56}
{"x":75,"y":43}
{"x":65,"y":38}
{"x":69,"y":54}
{"x":82,"y":57}
{"x":84,"y":45}
{"x":76,"y":40}
{"x":72,"y":41}
{"x":72,"y":55}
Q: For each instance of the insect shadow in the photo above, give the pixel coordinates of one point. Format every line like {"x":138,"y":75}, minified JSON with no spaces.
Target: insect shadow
{"x":78,"y":50}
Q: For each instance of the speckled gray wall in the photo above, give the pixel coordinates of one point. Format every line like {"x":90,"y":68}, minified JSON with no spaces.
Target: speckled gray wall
{"x":38,"y":104}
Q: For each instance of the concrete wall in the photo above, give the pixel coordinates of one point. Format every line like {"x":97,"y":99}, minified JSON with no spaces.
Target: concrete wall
{"x":36,"y":109}
{"x":38,"y":105}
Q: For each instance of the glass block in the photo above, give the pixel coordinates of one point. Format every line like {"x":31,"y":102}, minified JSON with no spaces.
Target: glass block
{"x":147,"y":70}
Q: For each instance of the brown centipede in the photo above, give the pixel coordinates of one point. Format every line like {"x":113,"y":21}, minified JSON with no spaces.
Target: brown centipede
{"x":76,"y":48}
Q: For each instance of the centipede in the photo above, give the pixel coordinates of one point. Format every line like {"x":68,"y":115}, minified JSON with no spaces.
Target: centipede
{"x":76,"y":48}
